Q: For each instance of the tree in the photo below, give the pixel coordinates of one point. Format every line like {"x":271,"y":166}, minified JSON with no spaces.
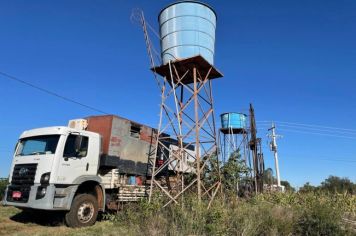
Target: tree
{"x":268,"y":177}
{"x":3,"y":183}
{"x":233,"y":171}
{"x":334,"y":184}
{"x":307,"y":188}
{"x":287,"y":186}
{"x":211,"y":174}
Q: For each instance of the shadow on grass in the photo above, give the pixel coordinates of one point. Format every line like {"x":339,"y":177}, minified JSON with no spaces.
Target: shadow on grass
{"x":44,"y":218}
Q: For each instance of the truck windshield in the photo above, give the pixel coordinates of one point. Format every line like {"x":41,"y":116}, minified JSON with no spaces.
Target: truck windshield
{"x":37,"y":145}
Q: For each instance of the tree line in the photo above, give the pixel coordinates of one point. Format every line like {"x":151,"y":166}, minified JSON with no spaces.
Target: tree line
{"x":332,"y":184}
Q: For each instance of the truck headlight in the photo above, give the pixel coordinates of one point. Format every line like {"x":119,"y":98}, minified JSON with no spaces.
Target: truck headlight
{"x":45,"y":178}
{"x":41,"y":192}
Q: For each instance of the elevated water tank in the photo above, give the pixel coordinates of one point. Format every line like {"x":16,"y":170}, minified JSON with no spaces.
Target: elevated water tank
{"x":233,"y":120}
{"x":187,"y":29}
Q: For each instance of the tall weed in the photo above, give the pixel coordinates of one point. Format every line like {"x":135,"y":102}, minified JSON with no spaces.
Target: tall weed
{"x":265,"y":214}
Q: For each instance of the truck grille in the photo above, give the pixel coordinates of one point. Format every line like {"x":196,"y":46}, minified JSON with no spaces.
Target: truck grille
{"x":25,"y":193}
{"x":23,"y":177}
{"x":24,"y":174}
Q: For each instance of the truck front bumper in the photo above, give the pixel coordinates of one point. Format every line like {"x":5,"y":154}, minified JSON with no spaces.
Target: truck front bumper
{"x":53,"y":199}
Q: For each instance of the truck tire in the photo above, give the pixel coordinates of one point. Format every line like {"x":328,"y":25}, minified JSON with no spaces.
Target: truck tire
{"x":83,"y":212}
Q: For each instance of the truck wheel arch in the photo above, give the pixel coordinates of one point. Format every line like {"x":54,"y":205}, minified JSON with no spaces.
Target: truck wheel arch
{"x":91,"y":185}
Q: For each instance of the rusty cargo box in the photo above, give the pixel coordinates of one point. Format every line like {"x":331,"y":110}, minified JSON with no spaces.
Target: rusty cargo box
{"x":125,"y":144}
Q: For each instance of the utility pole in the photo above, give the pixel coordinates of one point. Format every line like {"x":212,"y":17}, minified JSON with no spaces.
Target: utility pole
{"x":274,"y":136}
{"x":255,"y":147}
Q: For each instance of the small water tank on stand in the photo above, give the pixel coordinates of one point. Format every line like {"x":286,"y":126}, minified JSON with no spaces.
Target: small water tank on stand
{"x":187,"y":29}
{"x":233,"y":120}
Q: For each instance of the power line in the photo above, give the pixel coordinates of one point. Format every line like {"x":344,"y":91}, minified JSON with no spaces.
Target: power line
{"x":323,"y":159}
{"x":308,"y":125}
{"x":313,"y":129}
{"x":303,"y":130}
{"x":5,"y":75}
{"x":322,"y":134}
{"x":264,"y":128}
{"x":308,"y":129}
{"x":345,"y":161}
{"x":6,"y":151}
{"x":312,"y":133}
{"x":317,"y":129}
{"x":320,"y":126}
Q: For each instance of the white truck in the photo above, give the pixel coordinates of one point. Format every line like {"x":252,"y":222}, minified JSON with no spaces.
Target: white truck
{"x":88,"y":167}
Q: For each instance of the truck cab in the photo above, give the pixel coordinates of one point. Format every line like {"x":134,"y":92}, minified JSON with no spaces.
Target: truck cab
{"x":54,"y":167}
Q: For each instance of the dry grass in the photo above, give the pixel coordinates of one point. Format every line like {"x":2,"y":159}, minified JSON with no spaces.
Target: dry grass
{"x":14,"y":222}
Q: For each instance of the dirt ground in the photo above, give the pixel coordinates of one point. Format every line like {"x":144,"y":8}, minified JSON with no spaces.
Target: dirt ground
{"x":15,"y":222}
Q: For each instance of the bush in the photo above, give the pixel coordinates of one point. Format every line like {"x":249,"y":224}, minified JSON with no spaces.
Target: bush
{"x":260,"y":218}
{"x":3,"y":183}
{"x":318,"y":220}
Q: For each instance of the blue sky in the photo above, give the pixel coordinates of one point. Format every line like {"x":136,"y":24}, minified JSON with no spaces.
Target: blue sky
{"x":294,"y":60}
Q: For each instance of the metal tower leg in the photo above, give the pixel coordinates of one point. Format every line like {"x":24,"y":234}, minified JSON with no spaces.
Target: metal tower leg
{"x":186,"y":132}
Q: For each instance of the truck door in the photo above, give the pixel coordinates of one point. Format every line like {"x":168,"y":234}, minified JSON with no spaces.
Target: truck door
{"x":74,"y":162}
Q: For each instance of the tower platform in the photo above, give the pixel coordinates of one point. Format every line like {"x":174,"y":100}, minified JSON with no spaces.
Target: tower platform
{"x":233,"y":131}
{"x":181,"y":67}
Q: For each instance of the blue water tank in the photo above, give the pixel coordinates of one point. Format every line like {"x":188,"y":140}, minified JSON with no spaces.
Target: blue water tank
{"x":132,"y":180}
{"x":233,"y":120}
{"x":187,"y":29}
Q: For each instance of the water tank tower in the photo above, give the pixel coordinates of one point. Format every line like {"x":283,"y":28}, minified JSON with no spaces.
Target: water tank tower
{"x":187,"y":37}
{"x":234,"y":136}
{"x":187,"y":29}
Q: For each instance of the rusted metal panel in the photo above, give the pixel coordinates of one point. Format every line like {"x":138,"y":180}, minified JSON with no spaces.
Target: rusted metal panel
{"x":128,"y":144}
{"x":148,"y":135}
{"x":126,"y":140}
{"x":101,"y":125}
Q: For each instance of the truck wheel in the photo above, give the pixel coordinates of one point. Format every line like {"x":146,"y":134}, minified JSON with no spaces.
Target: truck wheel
{"x":83,"y":212}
